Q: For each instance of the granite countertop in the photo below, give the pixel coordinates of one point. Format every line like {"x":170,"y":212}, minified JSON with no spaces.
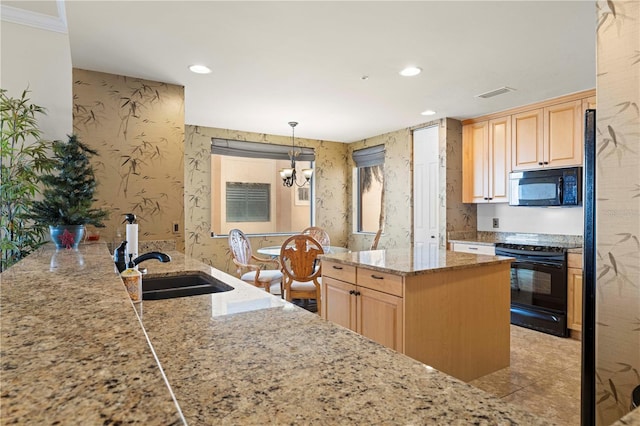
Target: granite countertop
{"x":414,"y":261}
{"x":74,"y":352}
{"x":72,"y":348}
{"x":572,"y":243}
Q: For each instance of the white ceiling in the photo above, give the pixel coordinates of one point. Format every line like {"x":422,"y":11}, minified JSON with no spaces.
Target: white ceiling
{"x":275,"y":62}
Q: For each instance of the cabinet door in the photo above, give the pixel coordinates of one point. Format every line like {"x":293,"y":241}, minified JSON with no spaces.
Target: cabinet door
{"x":563,"y":134}
{"x":339,"y":302}
{"x":475,"y":163}
{"x":574,"y":296}
{"x":499,"y":159}
{"x":380,"y":318}
{"x":527,"y":140}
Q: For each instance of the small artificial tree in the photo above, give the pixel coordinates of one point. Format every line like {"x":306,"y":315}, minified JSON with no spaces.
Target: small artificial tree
{"x":23,"y":156}
{"x":68,"y":193}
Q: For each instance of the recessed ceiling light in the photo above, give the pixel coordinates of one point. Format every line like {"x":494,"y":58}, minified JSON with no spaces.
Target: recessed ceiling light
{"x":410,"y":71}
{"x":428,"y":112}
{"x":200,"y":69}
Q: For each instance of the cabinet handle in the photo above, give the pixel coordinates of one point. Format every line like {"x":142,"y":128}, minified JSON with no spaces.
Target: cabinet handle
{"x":357,"y":293}
{"x":352,"y":292}
{"x":337,"y":267}
{"x":540,"y":163}
{"x":377,"y":277}
{"x":546,"y":162}
{"x":486,"y":198}
{"x":472,"y":248}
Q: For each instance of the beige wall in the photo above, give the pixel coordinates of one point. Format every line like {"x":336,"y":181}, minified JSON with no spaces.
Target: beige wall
{"x":40,"y":60}
{"x":137,"y":127}
{"x":618,"y":207}
{"x":330,"y":192}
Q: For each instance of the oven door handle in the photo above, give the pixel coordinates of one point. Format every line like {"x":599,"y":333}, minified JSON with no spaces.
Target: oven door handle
{"x":526,"y":264}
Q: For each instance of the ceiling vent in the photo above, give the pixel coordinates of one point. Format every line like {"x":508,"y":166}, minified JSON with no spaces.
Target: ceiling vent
{"x":496,"y":92}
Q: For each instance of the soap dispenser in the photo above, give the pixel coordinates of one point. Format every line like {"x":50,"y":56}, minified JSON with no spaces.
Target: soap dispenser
{"x":132,"y":279}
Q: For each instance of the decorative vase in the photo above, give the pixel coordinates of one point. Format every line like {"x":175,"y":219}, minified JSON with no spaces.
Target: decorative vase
{"x":66,"y":236}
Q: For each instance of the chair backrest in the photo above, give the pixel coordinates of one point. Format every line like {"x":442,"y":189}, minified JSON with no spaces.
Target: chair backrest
{"x":240,"y":247}
{"x":298,"y":257}
{"x":318,"y":234}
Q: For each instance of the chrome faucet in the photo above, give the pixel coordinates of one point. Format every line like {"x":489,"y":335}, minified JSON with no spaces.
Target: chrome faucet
{"x":121,"y":263}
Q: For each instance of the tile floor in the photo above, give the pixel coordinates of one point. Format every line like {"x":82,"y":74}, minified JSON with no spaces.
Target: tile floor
{"x":543,"y":378}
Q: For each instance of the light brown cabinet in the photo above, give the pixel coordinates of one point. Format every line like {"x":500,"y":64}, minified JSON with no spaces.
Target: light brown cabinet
{"x":574,"y":291}
{"x":563,"y":134}
{"x":548,"y":137}
{"x":359,"y":304}
{"x":486,"y":161}
{"x":455,"y":319}
{"x":527,"y":140}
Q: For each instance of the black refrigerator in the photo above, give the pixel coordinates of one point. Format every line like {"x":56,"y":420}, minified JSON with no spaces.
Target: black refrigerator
{"x":588,"y":389}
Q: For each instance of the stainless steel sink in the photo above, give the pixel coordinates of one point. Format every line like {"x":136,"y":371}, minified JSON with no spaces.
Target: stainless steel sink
{"x":190,"y":284}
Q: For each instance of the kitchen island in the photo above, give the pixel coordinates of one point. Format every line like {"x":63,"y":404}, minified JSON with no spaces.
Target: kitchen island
{"x":75,"y":350}
{"x":446,"y":309}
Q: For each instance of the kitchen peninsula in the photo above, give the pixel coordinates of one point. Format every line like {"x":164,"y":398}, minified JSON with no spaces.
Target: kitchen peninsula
{"x":76,"y":351}
{"x":446,"y":309}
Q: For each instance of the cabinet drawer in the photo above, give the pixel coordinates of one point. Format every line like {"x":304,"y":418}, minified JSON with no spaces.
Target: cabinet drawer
{"x":574,"y":260}
{"x":380,"y":281}
{"x":339,"y":271}
{"x":474,"y":248}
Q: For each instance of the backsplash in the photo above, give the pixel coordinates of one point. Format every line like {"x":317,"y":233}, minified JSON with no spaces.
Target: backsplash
{"x":532,"y":220}
{"x":515,"y":237}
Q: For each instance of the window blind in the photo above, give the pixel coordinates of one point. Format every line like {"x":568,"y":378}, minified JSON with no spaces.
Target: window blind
{"x":371,"y":156}
{"x":259,"y":150}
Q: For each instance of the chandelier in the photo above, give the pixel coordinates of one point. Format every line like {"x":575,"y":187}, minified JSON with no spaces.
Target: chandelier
{"x":289,"y":174}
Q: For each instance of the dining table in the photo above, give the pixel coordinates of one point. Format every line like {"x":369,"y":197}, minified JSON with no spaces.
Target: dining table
{"x":274,"y":251}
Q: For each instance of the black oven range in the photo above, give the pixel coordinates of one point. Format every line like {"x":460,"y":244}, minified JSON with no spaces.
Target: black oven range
{"x":538,"y":286}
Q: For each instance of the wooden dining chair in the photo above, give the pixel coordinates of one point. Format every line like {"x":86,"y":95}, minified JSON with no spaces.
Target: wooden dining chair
{"x":318,"y":234}
{"x":244,"y":259}
{"x":301,"y":269}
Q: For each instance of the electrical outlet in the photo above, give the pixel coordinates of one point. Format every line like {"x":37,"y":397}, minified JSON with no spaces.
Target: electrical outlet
{"x":496,"y":222}
{"x":175,"y":227}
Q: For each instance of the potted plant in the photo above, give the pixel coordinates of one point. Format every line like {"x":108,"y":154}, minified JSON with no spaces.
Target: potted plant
{"x":68,"y":194}
{"x":23,"y":156}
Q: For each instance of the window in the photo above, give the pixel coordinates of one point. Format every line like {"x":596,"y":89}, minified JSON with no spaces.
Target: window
{"x":248,"y":202}
{"x":247,"y":191}
{"x":369,"y":188}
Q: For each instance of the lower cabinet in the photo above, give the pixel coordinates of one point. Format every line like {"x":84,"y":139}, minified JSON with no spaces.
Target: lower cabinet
{"x":454,"y":319}
{"x":574,"y":291}
{"x":372,"y":313}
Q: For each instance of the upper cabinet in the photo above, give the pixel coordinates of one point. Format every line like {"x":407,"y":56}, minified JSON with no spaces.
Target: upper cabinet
{"x":486,"y":159}
{"x":527,"y":151}
{"x":542,"y":135}
{"x":548,"y":137}
{"x":563,"y":134}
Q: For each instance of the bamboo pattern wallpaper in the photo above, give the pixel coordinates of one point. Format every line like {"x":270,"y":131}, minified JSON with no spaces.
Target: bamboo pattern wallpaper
{"x":398,"y":175}
{"x":618,"y":208}
{"x":398,"y":204}
{"x":137,"y":127}
{"x":330,"y":192}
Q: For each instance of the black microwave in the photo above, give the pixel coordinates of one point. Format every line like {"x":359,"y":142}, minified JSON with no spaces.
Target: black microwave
{"x":547,"y":187}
